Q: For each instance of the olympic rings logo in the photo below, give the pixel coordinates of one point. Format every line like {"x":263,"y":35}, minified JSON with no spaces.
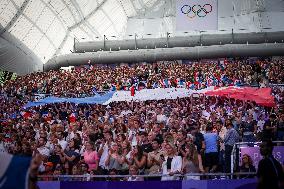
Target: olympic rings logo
{"x":196,"y":10}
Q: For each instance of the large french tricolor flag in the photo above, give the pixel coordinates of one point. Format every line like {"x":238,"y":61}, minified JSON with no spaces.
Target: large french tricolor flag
{"x":14,"y":171}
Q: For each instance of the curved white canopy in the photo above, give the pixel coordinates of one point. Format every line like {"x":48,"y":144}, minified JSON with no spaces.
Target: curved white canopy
{"x":48,"y":27}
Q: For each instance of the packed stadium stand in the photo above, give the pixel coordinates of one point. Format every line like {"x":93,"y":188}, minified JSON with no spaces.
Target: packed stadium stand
{"x":173,"y":94}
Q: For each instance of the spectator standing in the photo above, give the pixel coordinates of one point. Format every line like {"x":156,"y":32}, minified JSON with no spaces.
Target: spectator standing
{"x":138,"y":158}
{"x":211,"y":150}
{"x":190,"y":162}
{"x":172,"y":163}
{"x":71,"y":153}
{"x":63,"y":143}
{"x":231,"y":138}
{"x":280,"y":127}
{"x":260,"y":124}
{"x":57,"y":157}
{"x":248,"y":129}
{"x":270,"y":173}
{"x":222,"y":130}
{"x":269,"y":128}
{"x":91,"y":157}
{"x":154,"y":160}
{"x":114,"y":159}
{"x":42,"y":149}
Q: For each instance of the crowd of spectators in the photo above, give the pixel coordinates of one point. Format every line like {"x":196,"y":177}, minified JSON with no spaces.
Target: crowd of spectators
{"x":195,"y":75}
{"x":169,"y":137}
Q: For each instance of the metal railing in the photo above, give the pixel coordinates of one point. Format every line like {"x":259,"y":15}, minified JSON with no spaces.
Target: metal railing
{"x":181,"y":176}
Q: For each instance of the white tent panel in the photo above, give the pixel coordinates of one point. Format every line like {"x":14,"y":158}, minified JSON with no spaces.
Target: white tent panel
{"x":246,"y":6}
{"x":137,"y":27}
{"x":89,"y":32}
{"x":102,"y":23}
{"x":128,"y":8}
{"x":116,"y":15}
{"x":56,"y":32}
{"x":100,"y":1}
{"x":34,"y":9}
{"x":272,"y":20}
{"x":97,"y":19}
{"x":45,"y":20}
{"x":227,"y":8}
{"x":226,"y":23}
{"x":21,"y":27}
{"x":247,"y":23}
{"x":32,"y":38}
{"x":18,"y":2}
{"x":67,"y":17}
{"x":274,"y":6}
{"x":57,"y":5}
{"x":87,"y":6}
{"x":72,"y":9}
{"x":7,"y":12}
{"x":168,"y":24}
{"x":3,"y":5}
{"x":81,"y":34}
{"x":68,"y":46}
{"x":44,"y":49}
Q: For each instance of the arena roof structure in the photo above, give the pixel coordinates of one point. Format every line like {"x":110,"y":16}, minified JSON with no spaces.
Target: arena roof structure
{"x":43,"y":29}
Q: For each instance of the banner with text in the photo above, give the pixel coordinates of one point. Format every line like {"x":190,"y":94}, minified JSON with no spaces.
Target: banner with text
{"x":196,"y":15}
{"x":253,"y":152}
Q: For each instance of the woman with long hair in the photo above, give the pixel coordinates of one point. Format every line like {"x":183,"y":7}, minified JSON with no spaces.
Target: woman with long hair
{"x":114,"y":159}
{"x":190,"y":163}
{"x":91,"y":156}
{"x":247,"y":166}
{"x":71,"y":153}
{"x":138,"y":158}
{"x":125,"y":153}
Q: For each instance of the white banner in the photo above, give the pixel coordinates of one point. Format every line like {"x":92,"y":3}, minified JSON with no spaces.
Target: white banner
{"x":155,"y":94}
{"x":196,"y":15}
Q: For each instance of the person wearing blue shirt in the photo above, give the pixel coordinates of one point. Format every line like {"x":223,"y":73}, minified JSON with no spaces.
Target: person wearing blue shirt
{"x":211,"y":149}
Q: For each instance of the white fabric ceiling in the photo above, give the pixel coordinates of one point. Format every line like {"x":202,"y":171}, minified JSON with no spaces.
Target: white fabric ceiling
{"x":48,"y":27}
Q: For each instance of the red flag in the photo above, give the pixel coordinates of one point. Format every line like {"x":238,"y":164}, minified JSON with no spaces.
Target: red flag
{"x":26,"y":115}
{"x":132,"y":91}
{"x":72,"y":118}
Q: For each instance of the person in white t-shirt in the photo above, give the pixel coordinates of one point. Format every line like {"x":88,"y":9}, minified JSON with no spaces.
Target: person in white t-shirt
{"x":42,"y":149}
{"x":161,"y":117}
{"x":206,"y":113}
{"x":61,"y":140}
{"x":104,"y":148}
{"x":260,"y":124}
